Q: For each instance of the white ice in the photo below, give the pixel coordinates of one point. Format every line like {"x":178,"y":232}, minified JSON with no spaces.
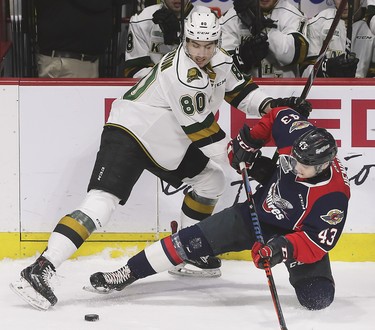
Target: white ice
{"x":240,"y":299}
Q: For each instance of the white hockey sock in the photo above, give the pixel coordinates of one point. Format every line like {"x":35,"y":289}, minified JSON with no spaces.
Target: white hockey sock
{"x":157,"y":258}
{"x":60,"y":248}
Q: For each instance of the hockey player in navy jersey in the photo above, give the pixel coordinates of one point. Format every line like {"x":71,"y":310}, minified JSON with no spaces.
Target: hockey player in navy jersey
{"x":302,"y":206}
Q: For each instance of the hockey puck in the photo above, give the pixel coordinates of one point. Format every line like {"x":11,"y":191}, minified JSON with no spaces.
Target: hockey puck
{"x":92,"y":317}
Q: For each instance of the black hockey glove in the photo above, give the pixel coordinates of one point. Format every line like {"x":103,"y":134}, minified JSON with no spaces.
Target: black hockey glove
{"x":243,"y":148}
{"x":370,"y":12}
{"x":303,"y":107}
{"x":246,"y":11}
{"x":339,"y":66}
{"x":277,"y":249}
{"x":262,"y":169}
{"x":251,"y":51}
{"x":169,"y":25}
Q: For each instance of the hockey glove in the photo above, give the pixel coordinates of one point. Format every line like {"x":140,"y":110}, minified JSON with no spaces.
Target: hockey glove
{"x":262,"y":169}
{"x":277,"y":250}
{"x":370,"y":12}
{"x":251,"y":51}
{"x":243,"y":148}
{"x":169,"y":25}
{"x":302,"y":106}
{"x":339,"y":66}
{"x":246,"y":11}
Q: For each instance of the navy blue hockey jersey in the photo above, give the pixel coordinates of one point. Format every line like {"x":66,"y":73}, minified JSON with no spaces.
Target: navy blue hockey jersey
{"x":310,"y":212}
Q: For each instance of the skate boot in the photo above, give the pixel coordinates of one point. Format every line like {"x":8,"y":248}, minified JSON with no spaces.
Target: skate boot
{"x":108,"y":282}
{"x":34,"y":286}
{"x":207,"y":262}
{"x":207,"y":266}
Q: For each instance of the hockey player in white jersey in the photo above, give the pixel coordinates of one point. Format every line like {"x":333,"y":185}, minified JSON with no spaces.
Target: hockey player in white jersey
{"x":359,"y":62}
{"x":165,"y":124}
{"x":152,"y":33}
{"x":275,"y":40}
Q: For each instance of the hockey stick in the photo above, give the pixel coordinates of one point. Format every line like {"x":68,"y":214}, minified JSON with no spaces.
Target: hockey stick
{"x":323,"y":50}
{"x":182,"y":19}
{"x":349,"y":28}
{"x":259,"y":237}
{"x":257,"y":30}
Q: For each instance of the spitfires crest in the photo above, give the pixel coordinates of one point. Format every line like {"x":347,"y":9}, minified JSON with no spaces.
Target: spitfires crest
{"x":193,"y":74}
{"x":333,"y":217}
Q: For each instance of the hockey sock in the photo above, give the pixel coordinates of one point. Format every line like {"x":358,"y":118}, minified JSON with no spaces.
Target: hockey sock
{"x":59,"y":249}
{"x":195,"y":208}
{"x":156,"y":258}
{"x":69,"y":234}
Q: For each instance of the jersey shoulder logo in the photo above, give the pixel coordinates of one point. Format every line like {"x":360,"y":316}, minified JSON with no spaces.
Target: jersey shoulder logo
{"x":333,"y":217}
{"x":193,"y":74}
{"x":168,"y":60}
{"x":299,"y":124}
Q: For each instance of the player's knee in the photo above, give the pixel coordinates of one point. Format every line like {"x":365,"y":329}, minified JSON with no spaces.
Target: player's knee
{"x":190,"y":243}
{"x":315,"y":293}
{"x":99,"y":206}
{"x":211,"y":181}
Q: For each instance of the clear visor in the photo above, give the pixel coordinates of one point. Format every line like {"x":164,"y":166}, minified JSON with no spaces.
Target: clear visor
{"x":288,"y":164}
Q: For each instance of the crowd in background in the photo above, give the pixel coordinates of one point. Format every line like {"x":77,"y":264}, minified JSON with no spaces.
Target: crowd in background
{"x":266,"y":38}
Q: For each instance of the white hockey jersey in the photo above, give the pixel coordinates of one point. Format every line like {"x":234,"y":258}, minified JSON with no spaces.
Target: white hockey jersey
{"x":363,"y":41}
{"x":288,"y":43}
{"x":174,"y":106}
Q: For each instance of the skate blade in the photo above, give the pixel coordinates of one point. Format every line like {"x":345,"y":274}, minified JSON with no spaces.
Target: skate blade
{"x":187,"y":270}
{"x":90,"y":288}
{"x":24,"y":290}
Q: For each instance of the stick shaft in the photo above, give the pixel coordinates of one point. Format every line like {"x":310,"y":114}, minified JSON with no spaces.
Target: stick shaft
{"x":349,"y":27}
{"x":259,"y":236}
{"x":323,"y":50}
{"x":182,"y":19}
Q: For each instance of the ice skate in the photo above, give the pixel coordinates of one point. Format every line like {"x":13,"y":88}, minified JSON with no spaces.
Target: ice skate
{"x":34,"y":286}
{"x":204,"y":267}
{"x":111,"y":281}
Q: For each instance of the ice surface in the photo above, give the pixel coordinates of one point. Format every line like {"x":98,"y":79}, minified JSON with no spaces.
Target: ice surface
{"x":240,"y":299}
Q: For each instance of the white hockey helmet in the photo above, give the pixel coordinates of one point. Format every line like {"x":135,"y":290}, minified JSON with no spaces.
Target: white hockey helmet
{"x":202,"y":26}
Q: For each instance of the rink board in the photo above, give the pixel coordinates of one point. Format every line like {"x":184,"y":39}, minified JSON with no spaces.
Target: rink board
{"x":50,"y":133}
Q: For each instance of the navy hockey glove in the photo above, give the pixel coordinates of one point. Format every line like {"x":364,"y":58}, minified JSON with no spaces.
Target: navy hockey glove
{"x":277,"y":250}
{"x":243,"y":148}
{"x":302,"y":106}
{"x":169,"y":25}
{"x":339,"y":67}
{"x":251,"y":51}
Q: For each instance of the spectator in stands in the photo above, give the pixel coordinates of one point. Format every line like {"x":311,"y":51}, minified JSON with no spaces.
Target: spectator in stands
{"x":153,"y":33}
{"x":266,"y":38}
{"x":71,"y":35}
{"x":357,"y":62}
